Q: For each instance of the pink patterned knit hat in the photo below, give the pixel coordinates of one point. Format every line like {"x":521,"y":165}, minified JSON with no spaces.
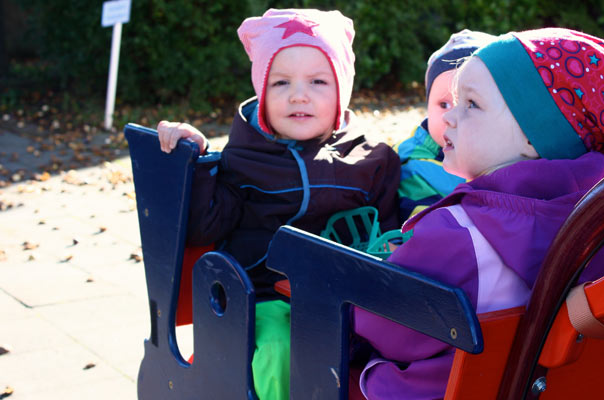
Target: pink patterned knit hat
{"x":552,"y":79}
{"x":329,"y":31}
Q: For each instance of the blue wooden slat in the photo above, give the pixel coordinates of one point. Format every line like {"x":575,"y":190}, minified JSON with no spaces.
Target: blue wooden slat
{"x":325,"y":278}
{"x":223,"y":344}
{"x":223,"y":332}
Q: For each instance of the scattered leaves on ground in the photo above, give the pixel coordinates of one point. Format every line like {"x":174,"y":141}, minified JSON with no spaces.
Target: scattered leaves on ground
{"x":115,"y":174}
{"x":72,"y":177}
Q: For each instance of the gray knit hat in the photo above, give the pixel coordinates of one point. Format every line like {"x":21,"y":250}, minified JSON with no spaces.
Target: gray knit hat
{"x":460,"y":45}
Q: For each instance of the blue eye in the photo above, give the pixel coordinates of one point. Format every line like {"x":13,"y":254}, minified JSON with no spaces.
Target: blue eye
{"x":279,"y":83}
{"x":319,"y":82}
{"x":472,"y":104}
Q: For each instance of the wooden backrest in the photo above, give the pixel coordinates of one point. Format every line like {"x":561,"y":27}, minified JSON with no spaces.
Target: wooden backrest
{"x":326,"y":278}
{"x":223,"y":300}
{"x":575,"y":366}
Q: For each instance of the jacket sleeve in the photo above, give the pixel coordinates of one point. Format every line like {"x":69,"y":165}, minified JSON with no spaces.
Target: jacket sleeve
{"x":215,"y":207}
{"x":385,"y":186}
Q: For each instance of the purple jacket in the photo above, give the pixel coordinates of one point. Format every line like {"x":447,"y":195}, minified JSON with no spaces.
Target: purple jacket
{"x":488,"y":237}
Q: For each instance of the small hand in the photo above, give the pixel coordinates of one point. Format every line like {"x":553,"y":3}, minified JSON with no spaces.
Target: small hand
{"x":170,"y":132}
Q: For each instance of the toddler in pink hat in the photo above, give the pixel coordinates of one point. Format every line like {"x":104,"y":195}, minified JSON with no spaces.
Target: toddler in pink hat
{"x":329,"y":32}
{"x":295,"y":156}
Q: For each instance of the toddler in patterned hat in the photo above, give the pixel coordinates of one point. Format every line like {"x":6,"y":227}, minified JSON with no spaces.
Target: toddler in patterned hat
{"x":527,"y":134}
{"x":295,"y":156}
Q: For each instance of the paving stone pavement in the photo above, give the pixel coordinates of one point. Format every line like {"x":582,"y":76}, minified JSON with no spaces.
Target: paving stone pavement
{"x":73,"y":302}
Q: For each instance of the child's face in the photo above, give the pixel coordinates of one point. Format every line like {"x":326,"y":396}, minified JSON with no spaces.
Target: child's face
{"x":301,"y":94}
{"x":440,"y":101}
{"x":482,"y":134}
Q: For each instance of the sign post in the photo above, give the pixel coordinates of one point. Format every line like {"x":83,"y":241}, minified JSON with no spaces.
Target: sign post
{"x":115,"y":13}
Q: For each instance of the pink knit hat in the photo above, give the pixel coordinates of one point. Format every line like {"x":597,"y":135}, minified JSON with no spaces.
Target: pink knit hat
{"x":329,"y":31}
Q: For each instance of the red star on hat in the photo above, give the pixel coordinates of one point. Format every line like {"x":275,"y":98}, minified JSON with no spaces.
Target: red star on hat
{"x":297,"y":24}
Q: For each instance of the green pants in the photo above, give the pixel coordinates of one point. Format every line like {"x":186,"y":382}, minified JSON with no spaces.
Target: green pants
{"x":270,"y":365}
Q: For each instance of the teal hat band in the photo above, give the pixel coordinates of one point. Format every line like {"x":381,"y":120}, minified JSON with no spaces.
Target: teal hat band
{"x":528,"y":99}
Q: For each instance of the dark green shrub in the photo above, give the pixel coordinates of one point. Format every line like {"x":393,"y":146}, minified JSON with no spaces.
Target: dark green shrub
{"x":188,"y":49}
{"x":170,"y":49}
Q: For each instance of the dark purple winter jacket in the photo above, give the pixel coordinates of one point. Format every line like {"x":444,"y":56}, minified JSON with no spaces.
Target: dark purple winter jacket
{"x":258,"y":183}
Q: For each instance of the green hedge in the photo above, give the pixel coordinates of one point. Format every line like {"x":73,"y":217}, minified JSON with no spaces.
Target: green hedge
{"x":188,"y":49}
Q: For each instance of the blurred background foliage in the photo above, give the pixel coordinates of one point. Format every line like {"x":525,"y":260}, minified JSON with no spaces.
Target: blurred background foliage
{"x":187,"y":51}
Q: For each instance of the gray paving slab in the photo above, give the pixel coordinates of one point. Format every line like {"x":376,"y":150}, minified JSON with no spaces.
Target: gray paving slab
{"x":12,"y":310}
{"x":72,"y":296}
{"x":70,"y":292}
{"x":40,"y":374}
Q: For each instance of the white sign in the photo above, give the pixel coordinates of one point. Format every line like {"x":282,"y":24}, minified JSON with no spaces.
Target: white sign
{"x":115,"y":12}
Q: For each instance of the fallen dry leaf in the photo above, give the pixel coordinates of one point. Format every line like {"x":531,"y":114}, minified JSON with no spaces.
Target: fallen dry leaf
{"x":4,"y":349}
{"x":44,"y":176}
{"x":73,"y":178}
{"x":6,"y":392}
{"x":5,"y":205}
{"x":67,"y":258}
{"x":102,"y":229}
{"x":89,"y":365}
{"x":30,"y":246}
{"x":136,"y":257}
{"x":25,"y":188}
